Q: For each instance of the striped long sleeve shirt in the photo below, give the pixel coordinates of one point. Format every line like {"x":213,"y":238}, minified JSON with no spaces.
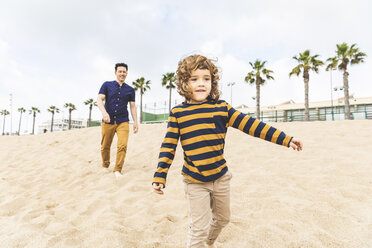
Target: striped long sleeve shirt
{"x":202,"y":129}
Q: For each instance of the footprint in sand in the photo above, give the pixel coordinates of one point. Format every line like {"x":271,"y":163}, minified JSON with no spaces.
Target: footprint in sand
{"x":13,"y":206}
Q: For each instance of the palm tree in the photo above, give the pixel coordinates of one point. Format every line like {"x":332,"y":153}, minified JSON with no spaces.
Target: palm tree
{"x":305,"y":64}
{"x":33,"y":111}
{"x":71,"y":107}
{"x":142,"y":85}
{"x":168,"y":81}
{"x":256,"y":77}
{"x":4,"y":113}
{"x":53,"y":110}
{"x":344,"y":56}
{"x":20,"y":110}
{"x":91,"y":103}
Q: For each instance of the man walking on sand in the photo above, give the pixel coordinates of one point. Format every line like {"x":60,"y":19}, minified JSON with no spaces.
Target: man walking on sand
{"x":116,"y":95}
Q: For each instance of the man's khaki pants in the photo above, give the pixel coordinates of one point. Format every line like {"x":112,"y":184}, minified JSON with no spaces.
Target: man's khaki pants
{"x":108,"y":132}
{"x":209,"y":210}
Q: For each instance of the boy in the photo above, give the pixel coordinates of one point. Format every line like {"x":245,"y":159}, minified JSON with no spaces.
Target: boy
{"x":201,"y":123}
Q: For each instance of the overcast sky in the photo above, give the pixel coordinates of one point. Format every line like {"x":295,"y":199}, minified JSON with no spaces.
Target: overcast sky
{"x":54,"y":52}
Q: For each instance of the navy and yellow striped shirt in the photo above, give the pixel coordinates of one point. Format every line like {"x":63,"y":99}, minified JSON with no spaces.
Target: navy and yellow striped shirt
{"x":202,"y":129}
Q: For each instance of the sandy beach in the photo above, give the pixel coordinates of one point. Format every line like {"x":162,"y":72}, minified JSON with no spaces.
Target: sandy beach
{"x":54,"y":192}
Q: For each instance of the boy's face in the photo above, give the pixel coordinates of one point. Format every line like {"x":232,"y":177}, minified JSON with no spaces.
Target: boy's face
{"x":121,"y":74}
{"x":200,"y":85}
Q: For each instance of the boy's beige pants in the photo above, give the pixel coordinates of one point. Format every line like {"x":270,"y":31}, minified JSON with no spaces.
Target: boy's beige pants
{"x":209,"y":210}
{"x":108,"y":132}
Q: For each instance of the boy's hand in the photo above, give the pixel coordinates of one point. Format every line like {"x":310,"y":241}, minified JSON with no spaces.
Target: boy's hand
{"x":158,"y":188}
{"x":296,"y":144}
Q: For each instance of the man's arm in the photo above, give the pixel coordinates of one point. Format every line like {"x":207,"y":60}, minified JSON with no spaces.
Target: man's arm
{"x":101,"y":106}
{"x":133,"y":111}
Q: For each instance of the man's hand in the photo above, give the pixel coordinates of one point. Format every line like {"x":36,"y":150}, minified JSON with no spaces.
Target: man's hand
{"x":135,"y":127}
{"x":158,"y":188}
{"x":296,"y":144}
{"x":106,"y":117}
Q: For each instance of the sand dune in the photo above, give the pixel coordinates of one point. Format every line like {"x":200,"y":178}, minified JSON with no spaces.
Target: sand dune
{"x":53,"y":192}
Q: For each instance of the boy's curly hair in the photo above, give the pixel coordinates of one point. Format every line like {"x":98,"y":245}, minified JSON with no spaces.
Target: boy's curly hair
{"x":191,"y":63}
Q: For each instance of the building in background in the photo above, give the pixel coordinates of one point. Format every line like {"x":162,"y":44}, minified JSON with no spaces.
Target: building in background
{"x":360,"y":108}
{"x":62,"y":125}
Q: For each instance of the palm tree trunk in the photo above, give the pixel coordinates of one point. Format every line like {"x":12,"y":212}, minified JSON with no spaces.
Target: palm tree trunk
{"x":4,"y":125}
{"x":33,"y":123}
{"x":346,"y":93}
{"x":258,"y":82}
{"x":19,"y":126}
{"x":90,"y":114}
{"x":170,"y":95}
{"x":51,"y":125}
{"x":141,"y":106}
{"x":306,"y":81}
{"x":69,"y":119}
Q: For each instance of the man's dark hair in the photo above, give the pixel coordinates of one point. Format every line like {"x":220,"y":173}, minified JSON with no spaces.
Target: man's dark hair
{"x":121,"y":64}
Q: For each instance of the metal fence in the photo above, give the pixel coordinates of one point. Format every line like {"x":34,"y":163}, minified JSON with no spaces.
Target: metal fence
{"x":357,"y":112}
{"x":157,"y":111}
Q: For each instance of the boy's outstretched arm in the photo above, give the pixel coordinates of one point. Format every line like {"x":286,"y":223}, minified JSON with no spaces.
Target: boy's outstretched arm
{"x":296,"y":144}
{"x":259,"y":129}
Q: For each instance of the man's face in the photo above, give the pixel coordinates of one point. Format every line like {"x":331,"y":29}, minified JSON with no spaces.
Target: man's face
{"x":121,"y":74}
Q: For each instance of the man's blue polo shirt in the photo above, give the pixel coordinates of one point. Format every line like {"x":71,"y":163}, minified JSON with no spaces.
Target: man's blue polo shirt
{"x":116,"y":100}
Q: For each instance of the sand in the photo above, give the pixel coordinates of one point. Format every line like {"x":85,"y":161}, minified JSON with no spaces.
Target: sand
{"x":53,"y":192}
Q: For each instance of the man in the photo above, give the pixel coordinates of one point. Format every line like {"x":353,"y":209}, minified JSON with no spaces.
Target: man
{"x":116,"y":95}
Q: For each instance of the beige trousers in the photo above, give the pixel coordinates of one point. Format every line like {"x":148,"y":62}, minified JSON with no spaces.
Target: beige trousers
{"x":108,"y":132}
{"x":209,"y":210}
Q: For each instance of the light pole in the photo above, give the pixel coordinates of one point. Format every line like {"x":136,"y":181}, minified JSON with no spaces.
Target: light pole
{"x":11,"y":111}
{"x":333,"y":118}
{"x":254,"y":102}
{"x":231,"y":85}
{"x":273,"y":113}
{"x":340,"y":88}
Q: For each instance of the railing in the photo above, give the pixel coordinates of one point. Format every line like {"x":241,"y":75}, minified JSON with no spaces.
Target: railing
{"x":316,"y":114}
{"x":319,"y":114}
